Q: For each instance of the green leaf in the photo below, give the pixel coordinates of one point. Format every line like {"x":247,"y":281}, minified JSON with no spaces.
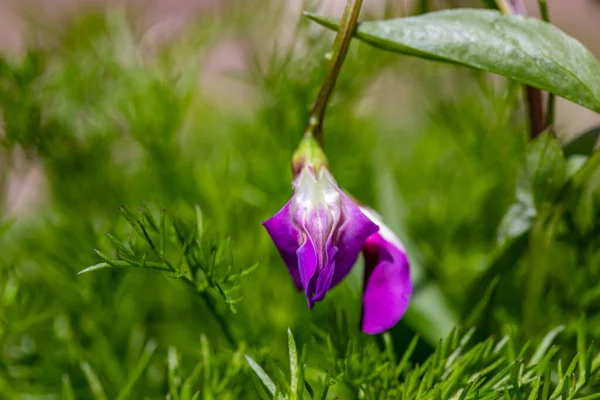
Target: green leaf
{"x":584,"y":203}
{"x":126,"y":391}
{"x":542,"y":175}
{"x":404,"y":363}
{"x":541,"y":254}
{"x":67,"y":393}
{"x":172,"y":370}
{"x":478,"y":311}
{"x":527,"y":50}
{"x":93,"y":381}
{"x":518,"y":219}
{"x":544,"y":345}
{"x":199,"y":223}
{"x":262,"y":375}
{"x":326,"y":385}
{"x":295,"y":371}
{"x":94,"y":268}
{"x":581,"y":345}
{"x":117,"y":243}
{"x":591,"y":397}
{"x":504,"y":258}
{"x":544,"y":171}
{"x":535,"y":390}
{"x":583,"y":144}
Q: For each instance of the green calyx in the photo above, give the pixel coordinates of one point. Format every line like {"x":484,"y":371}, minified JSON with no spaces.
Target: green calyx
{"x":309,"y":152}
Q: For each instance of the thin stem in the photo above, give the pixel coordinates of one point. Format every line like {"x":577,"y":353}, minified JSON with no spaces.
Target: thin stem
{"x":536,"y":111}
{"x":550,"y":106}
{"x":544,"y":10}
{"x":535,"y":106}
{"x":338,"y":54}
{"x":423,"y":7}
{"x":212,"y":307}
{"x":191,"y":283}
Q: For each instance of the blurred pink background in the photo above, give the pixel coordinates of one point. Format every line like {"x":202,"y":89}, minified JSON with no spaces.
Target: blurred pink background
{"x":164,"y":18}
{"x":579,"y":18}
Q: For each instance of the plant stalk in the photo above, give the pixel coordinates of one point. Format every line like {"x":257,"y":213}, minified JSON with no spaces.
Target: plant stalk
{"x":550,"y":106}
{"x":535,"y":107}
{"x":536,"y":111}
{"x":212,"y":307}
{"x":544,"y":10}
{"x":338,"y":54}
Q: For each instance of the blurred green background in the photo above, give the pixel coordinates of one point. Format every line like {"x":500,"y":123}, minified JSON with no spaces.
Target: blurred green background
{"x":101,"y":110}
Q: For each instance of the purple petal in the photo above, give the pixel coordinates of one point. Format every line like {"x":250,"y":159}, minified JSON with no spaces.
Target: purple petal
{"x":326,"y":274}
{"x":316,"y":277}
{"x":355,"y":228}
{"x":387,"y":286}
{"x":286,"y":237}
{"x":307,"y":265}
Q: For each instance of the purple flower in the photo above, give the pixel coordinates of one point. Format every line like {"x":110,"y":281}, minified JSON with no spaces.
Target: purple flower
{"x":319,"y":234}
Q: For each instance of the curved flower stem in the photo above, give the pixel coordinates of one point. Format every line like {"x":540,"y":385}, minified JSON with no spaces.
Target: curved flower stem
{"x":338,"y":54}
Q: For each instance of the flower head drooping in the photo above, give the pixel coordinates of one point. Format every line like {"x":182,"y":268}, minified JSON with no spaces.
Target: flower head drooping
{"x":319,"y":234}
{"x":320,"y":231}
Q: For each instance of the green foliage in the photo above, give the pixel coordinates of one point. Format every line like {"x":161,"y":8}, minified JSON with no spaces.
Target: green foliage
{"x":525,"y":49}
{"x":491,"y":369}
{"x":539,"y":179}
{"x":502,"y":235}
{"x":584,"y":143}
{"x":198,"y":262}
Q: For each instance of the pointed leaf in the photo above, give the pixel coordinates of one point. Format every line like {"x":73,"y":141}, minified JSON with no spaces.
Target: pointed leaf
{"x":294,"y":367}
{"x":545,"y":345}
{"x":126,"y":391}
{"x":93,"y":381}
{"x":94,"y":268}
{"x":527,"y":50}
{"x":67,"y":393}
{"x":262,"y":375}
{"x":583,"y":144}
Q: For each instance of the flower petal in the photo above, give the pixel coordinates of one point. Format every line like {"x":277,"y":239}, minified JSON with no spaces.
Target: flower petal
{"x":326,"y":273}
{"x":286,"y":237}
{"x":387,"y":286}
{"x":307,"y":266}
{"x":355,"y":228}
{"x":318,"y":227}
